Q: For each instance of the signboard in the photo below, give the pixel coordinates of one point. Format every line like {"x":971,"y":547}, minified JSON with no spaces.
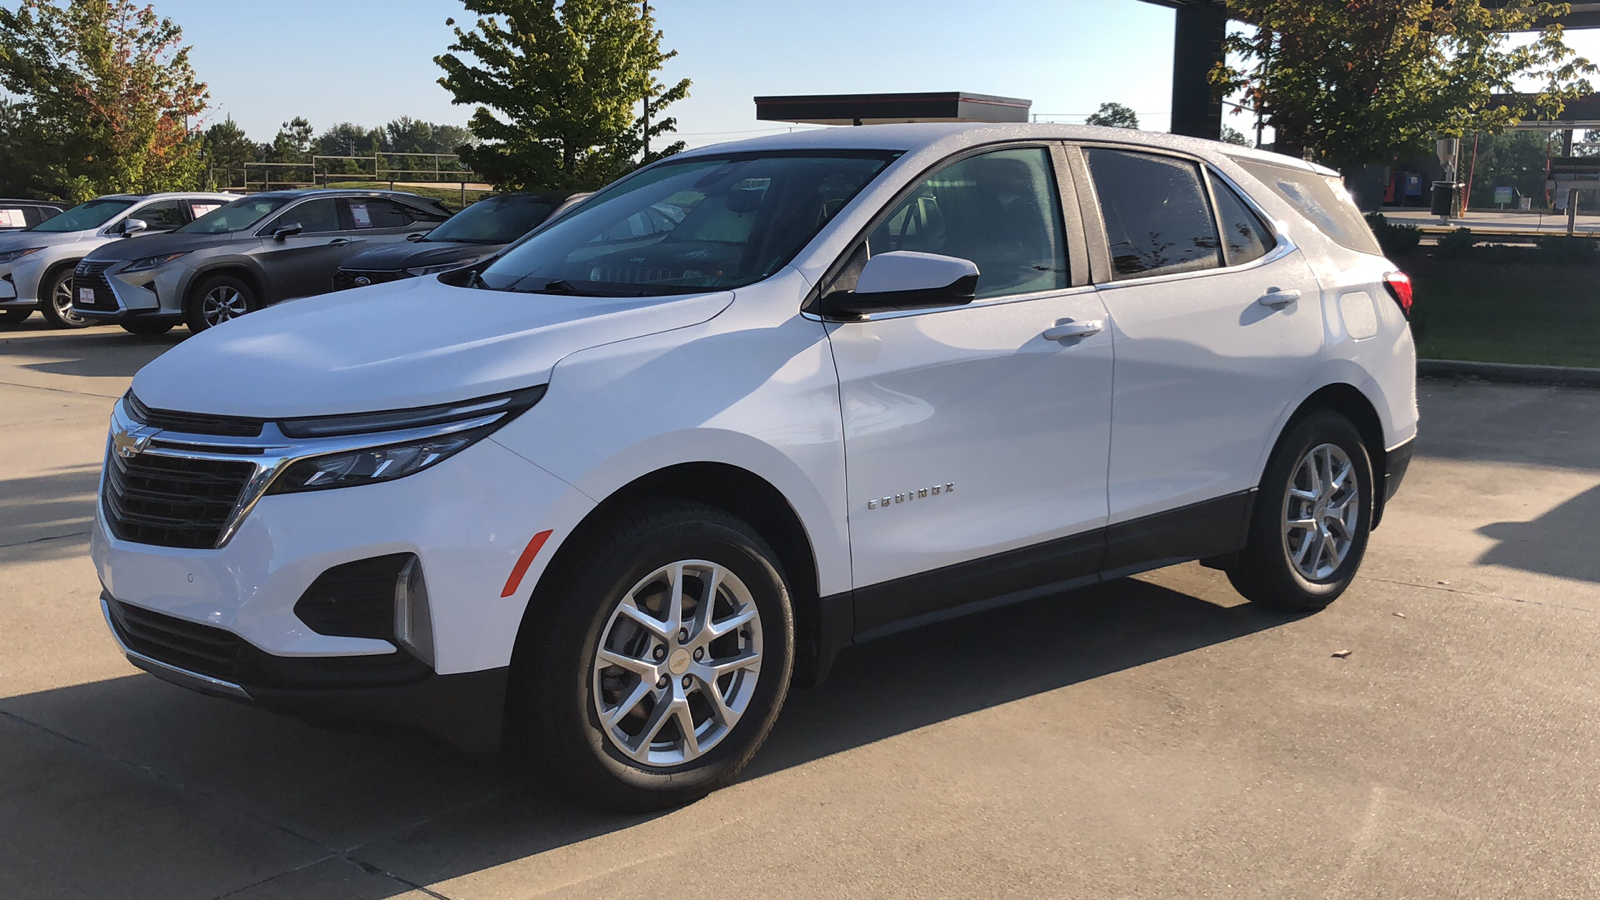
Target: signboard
{"x":360,"y":213}
{"x":12,"y":218}
{"x":1503,"y":195}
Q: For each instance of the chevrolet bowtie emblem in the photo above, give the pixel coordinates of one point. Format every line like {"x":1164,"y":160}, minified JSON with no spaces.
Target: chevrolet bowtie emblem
{"x":129,"y":444}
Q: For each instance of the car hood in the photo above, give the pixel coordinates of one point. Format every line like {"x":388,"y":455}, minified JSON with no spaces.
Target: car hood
{"x":393,"y":346}
{"x":143,"y":245}
{"x":16,"y":240}
{"x":408,"y":255}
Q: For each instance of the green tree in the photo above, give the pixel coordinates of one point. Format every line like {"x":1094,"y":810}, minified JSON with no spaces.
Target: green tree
{"x":292,"y":142}
{"x":558,"y":90}
{"x":1364,"y":82}
{"x":227,"y":150}
{"x":1514,"y":159}
{"x":110,"y":86}
{"x":1231,"y":135}
{"x":1114,"y":115}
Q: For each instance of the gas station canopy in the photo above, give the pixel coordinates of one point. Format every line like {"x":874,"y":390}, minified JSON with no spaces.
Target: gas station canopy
{"x":884,"y":109}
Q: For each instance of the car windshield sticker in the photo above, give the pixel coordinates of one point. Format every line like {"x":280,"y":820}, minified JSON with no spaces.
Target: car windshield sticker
{"x":12,"y":218}
{"x":358,"y":211}
{"x":201,"y":209}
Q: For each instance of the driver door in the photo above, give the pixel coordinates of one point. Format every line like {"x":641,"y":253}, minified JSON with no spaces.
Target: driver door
{"x":303,"y":264}
{"x":976,"y":445}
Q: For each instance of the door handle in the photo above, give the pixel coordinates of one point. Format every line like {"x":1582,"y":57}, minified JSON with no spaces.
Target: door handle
{"x":1068,"y":330}
{"x":338,"y":242}
{"x":1277,"y":299}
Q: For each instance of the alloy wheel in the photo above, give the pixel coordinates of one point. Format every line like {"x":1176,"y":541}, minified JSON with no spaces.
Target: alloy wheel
{"x":1321,"y":512}
{"x":677,"y":663}
{"x":61,"y":300}
{"x":222,"y":303}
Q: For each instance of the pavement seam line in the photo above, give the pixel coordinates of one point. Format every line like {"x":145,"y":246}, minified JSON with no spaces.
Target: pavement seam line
{"x":53,"y":537}
{"x":36,"y":387}
{"x":1466,"y":593}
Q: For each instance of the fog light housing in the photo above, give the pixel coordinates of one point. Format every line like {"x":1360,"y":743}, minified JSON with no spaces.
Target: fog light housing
{"x":413,"y":623}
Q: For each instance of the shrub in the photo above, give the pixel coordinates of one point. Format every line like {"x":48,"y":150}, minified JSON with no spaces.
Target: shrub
{"x":1567,"y":250}
{"x":1396,"y":240}
{"x":1457,"y":244}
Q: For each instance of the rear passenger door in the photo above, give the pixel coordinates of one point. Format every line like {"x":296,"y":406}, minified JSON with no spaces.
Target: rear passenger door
{"x":1217,"y":323}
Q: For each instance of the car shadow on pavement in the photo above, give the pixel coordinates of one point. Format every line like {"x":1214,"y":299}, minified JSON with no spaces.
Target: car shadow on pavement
{"x":96,"y":352}
{"x":405,"y":805}
{"x":1549,"y":543}
{"x":39,"y":514}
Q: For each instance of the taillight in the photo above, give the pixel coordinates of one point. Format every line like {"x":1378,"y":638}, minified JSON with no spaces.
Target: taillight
{"x":1399,"y":285}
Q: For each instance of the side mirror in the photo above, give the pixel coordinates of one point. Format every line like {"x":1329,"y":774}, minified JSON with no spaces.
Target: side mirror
{"x":902,"y":280}
{"x":286,"y":230}
{"x":131,"y":227}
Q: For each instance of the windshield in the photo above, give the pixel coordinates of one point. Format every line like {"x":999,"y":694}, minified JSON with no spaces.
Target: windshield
{"x":82,"y":218}
{"x":495,"y":220}
{"x":706,"y":223}
{"x":236,"y":216}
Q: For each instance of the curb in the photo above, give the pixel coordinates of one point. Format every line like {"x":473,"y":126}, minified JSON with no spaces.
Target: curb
{"x":1509,"y":373}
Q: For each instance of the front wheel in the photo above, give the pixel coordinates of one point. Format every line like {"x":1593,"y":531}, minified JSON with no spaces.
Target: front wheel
{"x":1312,"y":518}
{"x":652,"y":670}
{"x":55,"y":294}
{"x":216,"y":300}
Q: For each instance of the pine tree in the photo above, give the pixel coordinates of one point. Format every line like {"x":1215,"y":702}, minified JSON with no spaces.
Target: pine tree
{"x":559,"y":89}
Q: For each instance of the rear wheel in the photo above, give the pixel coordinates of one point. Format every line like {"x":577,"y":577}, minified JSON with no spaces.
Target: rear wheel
{"x":655,"y":669}
{"x":1312,"y":517}
{"x":14,"y":316}
{"x":55,"y":300}
{"x":147,"y":329}
{"x":216,"y":300}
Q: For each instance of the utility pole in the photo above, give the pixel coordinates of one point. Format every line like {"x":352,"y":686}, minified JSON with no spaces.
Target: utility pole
{"x":648,"y":77}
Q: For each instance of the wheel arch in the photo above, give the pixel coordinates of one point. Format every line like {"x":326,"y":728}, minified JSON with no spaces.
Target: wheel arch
{"x":229,"y":268}
{"x":1350,"y":402}
{"x":739,"y":492}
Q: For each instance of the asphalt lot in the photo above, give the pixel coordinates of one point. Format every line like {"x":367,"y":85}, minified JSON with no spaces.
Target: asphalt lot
{"x":1154,"y":737}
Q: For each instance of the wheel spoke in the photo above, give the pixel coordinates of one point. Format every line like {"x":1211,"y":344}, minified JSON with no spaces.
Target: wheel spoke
{"x":725,"y":715}
{"x":731,"y":624}
{"x":1294,"y":524}
{"x":721,"y":667}
{"x":652,"y":726}
{"x":1298,"y":494}
{"x":1330,"y":547}
{"x":628,"y":703}
{"x":642,"y":668}
{"x":644,"y":620}
{"x":1306,"y":543}
{"x":675,"y":602}
{"x":691,"y":741}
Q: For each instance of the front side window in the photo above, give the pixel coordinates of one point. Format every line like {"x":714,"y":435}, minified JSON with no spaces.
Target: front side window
{"x":236,"y":216}
{"x":1245,"y":238}
{"x":697,"y":224}
{"x":82,"y":218}
{"x":319,"y":216}
{"x":163,"y":215}
{"x":1000,"y":210}
{"x":1158,"y":220}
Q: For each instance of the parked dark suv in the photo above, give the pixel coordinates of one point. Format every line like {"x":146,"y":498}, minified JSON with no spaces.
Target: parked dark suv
{"x":477,"y":232}
{"x":254,"y":252}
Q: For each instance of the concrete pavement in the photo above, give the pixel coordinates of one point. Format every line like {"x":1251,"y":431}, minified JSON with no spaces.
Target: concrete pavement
{"x":1155,"y":737}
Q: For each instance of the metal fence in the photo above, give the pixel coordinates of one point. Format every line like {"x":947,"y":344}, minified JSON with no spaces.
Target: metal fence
{"x":442,"y":169}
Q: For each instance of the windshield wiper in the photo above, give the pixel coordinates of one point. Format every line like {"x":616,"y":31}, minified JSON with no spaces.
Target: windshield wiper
{"x":563,"y":286}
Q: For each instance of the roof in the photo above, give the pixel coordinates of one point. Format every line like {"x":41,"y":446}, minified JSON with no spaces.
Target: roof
{"x":883,"y":109}
{"x":54,"y":203}
{"x":337,"y":192}
{"x":951,"y":137}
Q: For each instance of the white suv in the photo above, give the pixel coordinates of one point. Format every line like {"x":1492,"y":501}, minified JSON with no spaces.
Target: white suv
{"x":607,"y":494}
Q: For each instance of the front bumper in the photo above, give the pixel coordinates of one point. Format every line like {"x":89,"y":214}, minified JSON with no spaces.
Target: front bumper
{"x":19,"y":282}
{"x":467,"y":709}
{"x":149,"y":295}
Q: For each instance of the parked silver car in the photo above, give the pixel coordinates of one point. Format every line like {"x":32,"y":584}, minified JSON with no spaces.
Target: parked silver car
{"x":36,"y":263}
{"x":254,"y":252}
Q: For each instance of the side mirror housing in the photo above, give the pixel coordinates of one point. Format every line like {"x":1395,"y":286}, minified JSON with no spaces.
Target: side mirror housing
{"x":131,"y":227}
{"x":905,"y":280}
{"x":286,"y":231}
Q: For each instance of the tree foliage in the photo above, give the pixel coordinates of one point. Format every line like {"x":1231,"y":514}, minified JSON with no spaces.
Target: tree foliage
{"x":104,"y":94}
{"x":558,"y":88}
{"x":1515,"y":159}
{"x":1114,"y":115}
{"x":1362,"y":81}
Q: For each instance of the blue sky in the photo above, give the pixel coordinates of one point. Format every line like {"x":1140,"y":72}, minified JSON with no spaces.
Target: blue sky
{"x":369,"y":62}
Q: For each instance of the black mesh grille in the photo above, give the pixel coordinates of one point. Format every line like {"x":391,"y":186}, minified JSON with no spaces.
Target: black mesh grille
{"x":190,"y":423}
{"x":91,"y":274}
{"x":346,"y":278}
{"x":354,"y":599}
{"x":171,"y":501}
{"x":187,"y":645}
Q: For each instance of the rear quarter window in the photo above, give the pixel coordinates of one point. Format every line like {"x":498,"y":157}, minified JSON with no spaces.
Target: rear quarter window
{"x":1321,"y":199}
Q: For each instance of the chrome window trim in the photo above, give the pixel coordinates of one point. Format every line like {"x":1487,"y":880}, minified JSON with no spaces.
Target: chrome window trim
{"x":272,"y":452}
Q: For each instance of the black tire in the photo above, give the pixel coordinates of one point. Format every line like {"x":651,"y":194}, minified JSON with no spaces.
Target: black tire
{"x":1266,"y":571}
{"x":55,"y":300}
{"x":555,"y":728}
{"x":204,"y":308}
{"x":147,"y":328}
{"x":15,"y":316}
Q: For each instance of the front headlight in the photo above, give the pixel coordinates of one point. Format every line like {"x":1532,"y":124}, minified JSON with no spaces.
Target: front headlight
{"x":153,"y":262}
{"x":14,"y":255}
{"x":445,"y":431}
{"x":445,"y":267}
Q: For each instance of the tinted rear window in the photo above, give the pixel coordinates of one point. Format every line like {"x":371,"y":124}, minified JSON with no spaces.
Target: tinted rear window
{"x":1320,"y":198}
